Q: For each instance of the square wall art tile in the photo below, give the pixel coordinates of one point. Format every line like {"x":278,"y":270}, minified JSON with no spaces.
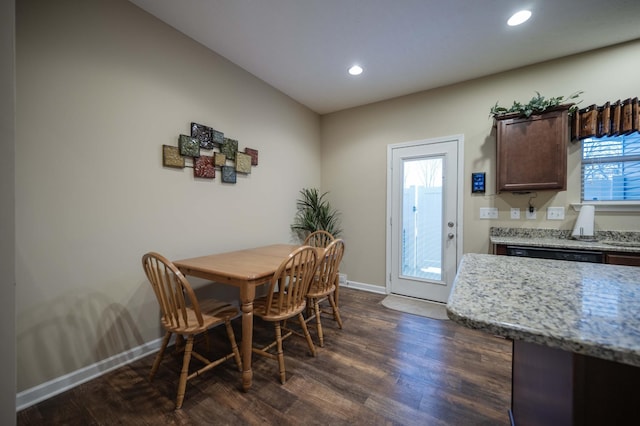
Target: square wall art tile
{"x":228,"y":174}
{"x":243,"y":162}
{"x":254,"y":155}
{"x":219,"y":159}
{"x":171,"y":157}
{"x":203,"y":134}
{"x":189,"y":147}
{"x":203,"y":167}
{"x":229,"y":148}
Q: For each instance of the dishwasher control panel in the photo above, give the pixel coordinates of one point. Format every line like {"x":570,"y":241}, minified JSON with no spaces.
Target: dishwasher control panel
{"x":558,"y":254}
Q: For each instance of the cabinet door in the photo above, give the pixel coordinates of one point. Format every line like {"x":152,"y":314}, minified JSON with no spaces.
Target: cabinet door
{"x":532,"y":152}
{"x":622,"y":259}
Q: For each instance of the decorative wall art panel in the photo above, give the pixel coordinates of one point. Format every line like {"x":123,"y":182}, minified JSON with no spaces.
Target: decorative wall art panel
{"x":189,"y":146}
{"x":218,"y":138}
{"x":229,"y":148}
{"x":254,"y":155}
{"x":224,"y":154}
{"x":171,"y":157}
{"x":203,"y":167}
{"x":219,"y":159}
{"x":243,"y":162}
{"x":203,"y":134}
{"x":228,"y":174}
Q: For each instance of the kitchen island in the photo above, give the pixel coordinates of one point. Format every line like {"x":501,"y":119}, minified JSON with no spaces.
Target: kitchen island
{"x":575,"y":329}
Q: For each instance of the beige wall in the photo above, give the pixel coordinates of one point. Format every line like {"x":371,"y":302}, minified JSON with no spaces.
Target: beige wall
{"x":7,"y":213}
{"x":354,"y":148}
{"x":101,"y":86}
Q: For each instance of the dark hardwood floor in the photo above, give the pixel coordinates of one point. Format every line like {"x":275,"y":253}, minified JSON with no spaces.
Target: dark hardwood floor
{"x":384,"y":368}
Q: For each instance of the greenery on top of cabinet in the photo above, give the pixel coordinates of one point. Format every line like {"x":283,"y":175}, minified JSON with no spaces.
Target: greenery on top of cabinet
{"x":537,"y":104}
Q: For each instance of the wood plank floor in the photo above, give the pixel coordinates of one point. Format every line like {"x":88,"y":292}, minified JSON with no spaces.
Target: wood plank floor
{"x":384,"y":368}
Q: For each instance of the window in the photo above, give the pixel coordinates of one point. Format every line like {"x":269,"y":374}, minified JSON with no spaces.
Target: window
{"x":611,"y":168}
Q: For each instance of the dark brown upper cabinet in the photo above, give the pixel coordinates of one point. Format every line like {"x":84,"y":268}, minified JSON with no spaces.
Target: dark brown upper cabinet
{"x":532,"y":152}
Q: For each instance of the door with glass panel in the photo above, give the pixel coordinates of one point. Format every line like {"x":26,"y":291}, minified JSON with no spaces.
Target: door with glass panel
{"x":422,"y":244}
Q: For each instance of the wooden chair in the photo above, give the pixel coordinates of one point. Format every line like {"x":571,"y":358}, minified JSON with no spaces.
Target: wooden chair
{"x":318,"y":239}
{"x":185,"y":316}
{"x":286,"y":298}
{"x":322,"y":239}
{"x":325,"y":284}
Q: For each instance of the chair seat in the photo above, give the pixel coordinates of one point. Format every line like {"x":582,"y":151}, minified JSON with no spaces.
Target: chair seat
{"x":213,"y":312}
{"x":218,"y":309}
{"x":316,"y":290}
{"x":260,"y":311}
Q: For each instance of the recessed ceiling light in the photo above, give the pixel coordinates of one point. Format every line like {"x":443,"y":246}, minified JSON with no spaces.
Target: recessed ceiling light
{"x":355,"y":70}
{"x":519,"y":18}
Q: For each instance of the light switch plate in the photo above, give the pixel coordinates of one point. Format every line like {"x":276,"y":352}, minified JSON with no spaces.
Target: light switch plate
{"x":515,"y":214}
{"x":555,"y":213}
{"x":488,"y":212}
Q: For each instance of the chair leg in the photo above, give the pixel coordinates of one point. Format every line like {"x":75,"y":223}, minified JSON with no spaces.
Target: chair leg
{"x":309,"y":309}
{"x":280,"y":353}
{"x":179,"y":346}
{"x":156,"y":362}
{"x":234,"y":345}
{"x":303,"y":324}
{"x":182,"y":384}
{"x":336,"y":311}
{"x":316,"y":307}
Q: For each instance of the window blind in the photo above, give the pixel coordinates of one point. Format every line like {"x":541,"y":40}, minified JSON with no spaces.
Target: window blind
{"x":611,"y":168}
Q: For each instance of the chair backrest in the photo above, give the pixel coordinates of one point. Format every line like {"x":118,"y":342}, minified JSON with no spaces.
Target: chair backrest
{"x":328,"y":266}
{"x":318,"y":239}
{"x":175,"y":295}
{"x":289,"y":286}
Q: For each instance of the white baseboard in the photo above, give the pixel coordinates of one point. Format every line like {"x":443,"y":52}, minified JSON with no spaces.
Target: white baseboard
{"x":366,"y":287}
{"x":58,"y":385}
{"x":61,"y":384}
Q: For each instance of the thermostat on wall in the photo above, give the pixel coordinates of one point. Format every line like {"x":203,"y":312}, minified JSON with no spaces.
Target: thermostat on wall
{"x":477,"y":183}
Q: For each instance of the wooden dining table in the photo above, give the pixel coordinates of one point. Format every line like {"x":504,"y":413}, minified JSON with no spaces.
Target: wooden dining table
{"x":246,"y":269}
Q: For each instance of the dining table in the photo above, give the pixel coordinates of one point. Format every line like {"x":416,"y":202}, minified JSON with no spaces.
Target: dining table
{"x":246,"y":269}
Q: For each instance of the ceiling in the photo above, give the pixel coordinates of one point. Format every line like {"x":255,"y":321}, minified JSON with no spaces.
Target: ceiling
{"x":304,"y":47}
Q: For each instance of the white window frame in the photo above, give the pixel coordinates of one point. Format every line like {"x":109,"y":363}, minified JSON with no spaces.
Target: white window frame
{"x":611,"y":206}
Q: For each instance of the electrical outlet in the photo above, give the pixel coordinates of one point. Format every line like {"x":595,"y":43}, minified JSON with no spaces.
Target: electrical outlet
{"x":515,"y":213}
{"x":488,"y":212}
{"x":531,"y":213}
{"x":555,"y":213}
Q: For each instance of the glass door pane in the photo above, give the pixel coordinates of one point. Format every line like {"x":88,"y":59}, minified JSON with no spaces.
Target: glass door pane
{"x":422,"y":206}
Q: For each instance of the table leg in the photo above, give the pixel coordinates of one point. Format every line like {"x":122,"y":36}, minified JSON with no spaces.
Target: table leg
{"x":247,"y":295}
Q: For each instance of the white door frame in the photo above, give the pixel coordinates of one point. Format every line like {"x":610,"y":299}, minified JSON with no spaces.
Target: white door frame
{"x":459,"y":191}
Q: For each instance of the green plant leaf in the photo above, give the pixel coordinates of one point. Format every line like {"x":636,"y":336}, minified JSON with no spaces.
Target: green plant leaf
{"x":313,"y":213}
{"x":537,"y":104}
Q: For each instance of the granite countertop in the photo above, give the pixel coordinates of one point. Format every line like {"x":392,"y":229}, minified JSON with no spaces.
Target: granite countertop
{"x":618,"y":241}
{"x":586,"y":308}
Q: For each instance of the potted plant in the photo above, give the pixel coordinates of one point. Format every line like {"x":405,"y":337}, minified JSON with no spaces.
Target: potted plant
{"x":315,"y":213}
{"x":538,"y":104}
